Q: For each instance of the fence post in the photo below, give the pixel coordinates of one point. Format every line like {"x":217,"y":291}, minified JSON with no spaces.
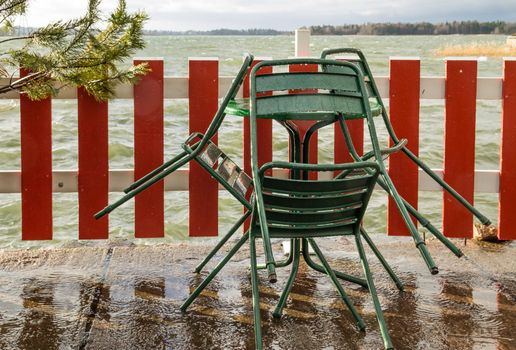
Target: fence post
{"x":36,"y":167}
{"x":93,"y":177}
{"x":507,"y":202}
{"x":148,"y":148}
{"x":404,"y":115}
{"x":459,"y":144}
{"x":356,"y":131}
{"x":264,"y":127}
{"x":302,"y":42}
{"x":302,"y":49}
{"x":203,"y":90}
{"x":304,"y":125}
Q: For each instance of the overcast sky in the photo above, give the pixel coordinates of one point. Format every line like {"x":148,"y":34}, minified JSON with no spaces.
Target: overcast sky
{"x":280,"y":14}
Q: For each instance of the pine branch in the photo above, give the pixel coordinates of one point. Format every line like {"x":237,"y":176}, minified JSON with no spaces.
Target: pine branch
{"x":78,"y":53}
{"x":11,"y":6}
{"x":16,"y":38}
{"x":22,"y":82}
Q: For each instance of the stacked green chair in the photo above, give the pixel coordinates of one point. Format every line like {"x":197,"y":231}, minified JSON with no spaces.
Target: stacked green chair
{"x":358,"y":58}
{"x":199,"y":147}
{"x":297,"y":208}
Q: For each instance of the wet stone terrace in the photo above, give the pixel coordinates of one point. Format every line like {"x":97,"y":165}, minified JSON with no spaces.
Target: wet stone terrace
{"x":128,"y":297}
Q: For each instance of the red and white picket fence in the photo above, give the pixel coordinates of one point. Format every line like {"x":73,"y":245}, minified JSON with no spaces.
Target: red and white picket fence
{"x":203,"y":87}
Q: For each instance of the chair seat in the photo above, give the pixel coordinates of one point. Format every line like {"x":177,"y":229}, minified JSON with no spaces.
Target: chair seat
{"x":313,"y":208}
{"x":240,"y":108}
{"x":220,"y":166}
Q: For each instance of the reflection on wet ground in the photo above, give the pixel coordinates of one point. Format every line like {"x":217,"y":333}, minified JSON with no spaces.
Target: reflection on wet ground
{"x":128,"y":297}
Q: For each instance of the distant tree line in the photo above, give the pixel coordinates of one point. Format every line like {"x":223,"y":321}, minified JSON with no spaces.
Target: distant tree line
{"x":221,"y":31}
{"x":421,"y":28}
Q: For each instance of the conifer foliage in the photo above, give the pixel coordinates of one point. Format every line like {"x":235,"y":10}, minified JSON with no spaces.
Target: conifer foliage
{"x":88,"y":52}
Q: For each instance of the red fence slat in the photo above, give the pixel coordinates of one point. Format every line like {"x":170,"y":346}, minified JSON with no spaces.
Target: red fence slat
{"x":404,"y":116}
{"x":36,"y":167}
{"x":203,"y":87}
{"x":459,"y":145}
{"x":148,"y":149}
{"x":93,"y":176}
{"x":507,"y":204}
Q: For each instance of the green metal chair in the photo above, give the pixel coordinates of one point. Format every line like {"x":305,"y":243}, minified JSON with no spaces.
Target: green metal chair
{"x":199,"y":147}
{"x":304,"y":210}
{"x":308,"y":209}
{"x":297,"y":208}
{"x":358,"y":58}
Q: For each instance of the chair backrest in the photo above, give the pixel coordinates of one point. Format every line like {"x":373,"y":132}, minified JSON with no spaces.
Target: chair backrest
{"x":313,"y":95}
{"x":356,"y":57}
{"x":359,"y":59}
{"x":230,"y":95}
{"x":315,"y":208}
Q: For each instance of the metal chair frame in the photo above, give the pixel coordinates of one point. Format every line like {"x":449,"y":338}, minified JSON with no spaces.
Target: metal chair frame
{"x":400,"y":145}
{"x":259,"y":224}
{"x":200,"y":148}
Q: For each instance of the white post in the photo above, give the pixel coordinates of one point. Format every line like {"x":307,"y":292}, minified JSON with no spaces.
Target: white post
{"x":302,"y":43}
{"x":302,"y":49}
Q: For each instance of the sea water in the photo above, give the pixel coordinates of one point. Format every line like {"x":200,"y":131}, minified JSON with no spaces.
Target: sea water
{"x":175,"y":51}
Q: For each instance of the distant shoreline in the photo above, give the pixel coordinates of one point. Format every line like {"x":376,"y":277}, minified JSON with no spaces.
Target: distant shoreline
{"x":419,"y":28}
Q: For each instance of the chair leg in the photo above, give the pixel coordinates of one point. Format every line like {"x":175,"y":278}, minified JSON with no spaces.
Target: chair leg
{"x":258,"y":343}
{"x":380,"y":257}
{"x":483,"y":219}
{"x":282,"y":263}
{"x":344,"y":296}
{"x":223,"y":241}
{"x":320,"y":268}
{"x":372,"y":290}
{"x":388,"y":185}
{"x":286,"y":291}
{"x":154,"y":172}
{"x":159,"y":175}
{"x":426,"y":224}
{"x":420,"y":244}
{"x":215,"y":271}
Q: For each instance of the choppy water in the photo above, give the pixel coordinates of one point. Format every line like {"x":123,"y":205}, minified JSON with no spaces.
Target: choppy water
{"x":176,"y":50}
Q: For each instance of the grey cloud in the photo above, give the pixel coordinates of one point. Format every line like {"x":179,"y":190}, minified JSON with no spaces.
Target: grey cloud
{"x":290,"y":14}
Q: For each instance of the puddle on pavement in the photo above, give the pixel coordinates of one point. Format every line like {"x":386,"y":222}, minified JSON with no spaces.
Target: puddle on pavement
{"x":140,"y":310}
